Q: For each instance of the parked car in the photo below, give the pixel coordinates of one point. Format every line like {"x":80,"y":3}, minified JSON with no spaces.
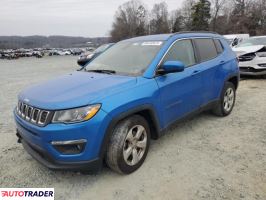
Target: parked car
{"x":37,"y":54}
{"x":235,"y":39}
{"x":252,"y":56}
{"x":54,"y":53}
{"x":76,"y":51}
{"x":87,"y":57}
{"x":131,"y":93}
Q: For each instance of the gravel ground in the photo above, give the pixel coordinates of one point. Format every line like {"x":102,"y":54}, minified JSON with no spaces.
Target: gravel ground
{"x":206,"y":157}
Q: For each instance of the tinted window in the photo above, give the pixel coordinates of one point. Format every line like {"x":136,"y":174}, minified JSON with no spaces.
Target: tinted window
{"x":219,"y":46}
{"x":206,"y":48}
{"x":182,"y":51}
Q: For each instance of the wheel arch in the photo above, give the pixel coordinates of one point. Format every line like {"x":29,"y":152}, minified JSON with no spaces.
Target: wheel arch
{"x":233,"y":79}
{"x":146,"y":111}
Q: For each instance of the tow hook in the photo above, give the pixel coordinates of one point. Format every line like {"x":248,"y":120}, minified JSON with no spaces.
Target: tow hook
{"x":19,"y":137}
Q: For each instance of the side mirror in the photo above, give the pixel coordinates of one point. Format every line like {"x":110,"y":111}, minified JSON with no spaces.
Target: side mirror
{"x":235,"y":42}
{"x":171,"y":67}
{"x":85,"y":59}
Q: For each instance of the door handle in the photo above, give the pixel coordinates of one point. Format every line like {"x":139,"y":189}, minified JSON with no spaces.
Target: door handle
{"x":195,"y":72}
{"x":221,"y":62}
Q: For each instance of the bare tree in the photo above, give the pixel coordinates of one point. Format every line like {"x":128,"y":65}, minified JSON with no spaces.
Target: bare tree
{"x":257,"y":17}
{"x":176,"y":21}
{"x":227,"y":16}
{"x":186,"y":12}
{"x":159,"y":19}
{"x":130,"y":20}
{"x":217,"y":6}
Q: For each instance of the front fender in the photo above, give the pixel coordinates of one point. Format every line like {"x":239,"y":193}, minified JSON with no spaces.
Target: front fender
{"x":143,"y":97}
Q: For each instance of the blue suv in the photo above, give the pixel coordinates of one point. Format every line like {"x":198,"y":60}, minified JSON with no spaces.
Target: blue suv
{"x":125,"y":97}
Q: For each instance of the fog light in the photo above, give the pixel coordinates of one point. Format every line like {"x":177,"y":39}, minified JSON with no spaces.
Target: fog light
{"x":262,"y":65}
{"x":70,"y":146}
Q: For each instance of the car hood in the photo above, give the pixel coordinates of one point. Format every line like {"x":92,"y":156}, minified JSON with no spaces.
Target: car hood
{"x":75,"y":90}
{"x":249,"y":49}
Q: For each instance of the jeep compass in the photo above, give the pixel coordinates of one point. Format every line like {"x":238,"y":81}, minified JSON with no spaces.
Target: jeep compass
{"x":128,"y":95}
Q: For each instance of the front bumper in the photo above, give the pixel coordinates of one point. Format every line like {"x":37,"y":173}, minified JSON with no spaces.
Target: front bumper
{"x":252,"y":71}
{"x":255,"y":67}
{"x":47,"y":160}
{"x":37,"y":141}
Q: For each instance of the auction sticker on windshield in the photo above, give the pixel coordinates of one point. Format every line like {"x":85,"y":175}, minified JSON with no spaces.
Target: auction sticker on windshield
{"x":152,"y":43}
{"x":26,"y":193}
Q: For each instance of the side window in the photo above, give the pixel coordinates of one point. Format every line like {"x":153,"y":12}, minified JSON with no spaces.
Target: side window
{"x":182,"y":51}
{"x":206,"y":49}
{"x":218,"y":45}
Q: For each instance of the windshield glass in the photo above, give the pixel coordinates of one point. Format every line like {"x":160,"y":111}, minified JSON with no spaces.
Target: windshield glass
{"x":102,"y":48}
{"x":128,"y":58}
{"x":229,"y":41}
{"x":252,"y":41}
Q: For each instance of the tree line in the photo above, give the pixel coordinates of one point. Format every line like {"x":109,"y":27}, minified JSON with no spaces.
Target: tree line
{"x":222,"y":16}
{"x":15,"y":42}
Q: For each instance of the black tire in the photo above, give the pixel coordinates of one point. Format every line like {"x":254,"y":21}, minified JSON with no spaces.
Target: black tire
{"x":119,"y":141}
{"x":219,"y":109}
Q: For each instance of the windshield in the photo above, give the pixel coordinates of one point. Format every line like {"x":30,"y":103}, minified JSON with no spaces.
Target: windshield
{"x":102,"y":48}
{"x":128,"y":58}
{"x":229,"y":41}
{"x":252,"y":41}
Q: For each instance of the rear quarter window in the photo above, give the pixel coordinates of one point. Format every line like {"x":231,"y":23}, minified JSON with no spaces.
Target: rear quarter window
{"x":218,"y":45}
{"x":206,"y":49}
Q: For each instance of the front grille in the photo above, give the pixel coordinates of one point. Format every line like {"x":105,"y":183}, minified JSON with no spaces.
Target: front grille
{"x":33,"y":115}
{"x":247,"y":57}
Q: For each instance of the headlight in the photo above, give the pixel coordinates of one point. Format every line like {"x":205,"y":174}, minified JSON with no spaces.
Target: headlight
{"x":261,"y":54}
{"x":76,"y":114}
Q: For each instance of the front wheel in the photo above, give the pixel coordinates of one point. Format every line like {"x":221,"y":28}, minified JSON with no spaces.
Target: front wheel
{"x":227,"y":100}
{"x":128,"y":145}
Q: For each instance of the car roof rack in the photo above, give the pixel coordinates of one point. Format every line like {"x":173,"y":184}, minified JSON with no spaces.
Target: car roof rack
{"x":182,"y":32}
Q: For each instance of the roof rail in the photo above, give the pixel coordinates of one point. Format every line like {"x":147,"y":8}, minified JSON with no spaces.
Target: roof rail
{"x":181,"y":32}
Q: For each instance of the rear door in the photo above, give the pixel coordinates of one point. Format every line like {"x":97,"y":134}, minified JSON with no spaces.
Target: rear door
{"x":209,"y":63}
{"x":180,"y":93}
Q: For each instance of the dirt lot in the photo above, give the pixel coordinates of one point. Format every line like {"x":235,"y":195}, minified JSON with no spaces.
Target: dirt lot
{"x":203,"y":158}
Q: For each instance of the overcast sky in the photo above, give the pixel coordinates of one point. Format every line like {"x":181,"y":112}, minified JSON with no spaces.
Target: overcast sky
{"x":63,"y":17}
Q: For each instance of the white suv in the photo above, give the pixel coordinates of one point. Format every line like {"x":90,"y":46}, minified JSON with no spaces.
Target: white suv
{"x":252,"y":56}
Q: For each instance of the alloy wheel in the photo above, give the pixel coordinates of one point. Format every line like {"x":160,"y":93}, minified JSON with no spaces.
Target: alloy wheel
{"x":135,"y":145}
{"x":229,"y":98}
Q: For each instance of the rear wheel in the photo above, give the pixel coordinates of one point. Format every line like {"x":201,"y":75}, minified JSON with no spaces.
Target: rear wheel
{"x":129,"y":144}
{"x":227,"y":100}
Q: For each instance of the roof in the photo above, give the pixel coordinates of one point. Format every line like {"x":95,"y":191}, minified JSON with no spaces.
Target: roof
{"x":232,"y":36}
{"x":164,"y":37}
{"x":158,"y":37}
{"x":262,"y":36}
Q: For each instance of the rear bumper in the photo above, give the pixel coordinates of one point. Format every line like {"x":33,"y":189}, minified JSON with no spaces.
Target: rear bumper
{"x":43,"y":157}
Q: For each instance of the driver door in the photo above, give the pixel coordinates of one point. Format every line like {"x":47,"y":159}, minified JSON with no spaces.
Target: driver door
{"x":180,"y":92}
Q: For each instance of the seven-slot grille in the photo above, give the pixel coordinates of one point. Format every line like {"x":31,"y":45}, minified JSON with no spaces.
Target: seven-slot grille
{"x":33,"y":115}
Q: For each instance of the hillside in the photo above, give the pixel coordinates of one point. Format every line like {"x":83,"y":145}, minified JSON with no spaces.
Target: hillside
{"x":14,"y":42}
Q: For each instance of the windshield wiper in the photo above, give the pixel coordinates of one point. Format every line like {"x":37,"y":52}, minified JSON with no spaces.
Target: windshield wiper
{"x":105,"y":71}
